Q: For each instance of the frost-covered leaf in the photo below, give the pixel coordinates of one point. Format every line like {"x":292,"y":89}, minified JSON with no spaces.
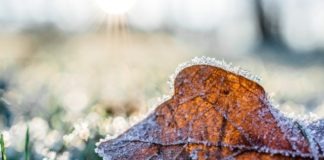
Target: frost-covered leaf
{"x":216,"y":114}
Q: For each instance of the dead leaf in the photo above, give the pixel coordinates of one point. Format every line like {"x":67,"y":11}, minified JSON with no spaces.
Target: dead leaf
{"x":214,"y":114}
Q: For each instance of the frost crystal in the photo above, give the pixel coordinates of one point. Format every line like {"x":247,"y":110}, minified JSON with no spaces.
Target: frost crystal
{"x":212,"y":62}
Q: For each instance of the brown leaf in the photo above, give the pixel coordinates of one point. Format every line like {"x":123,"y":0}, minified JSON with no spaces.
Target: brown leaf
{"x":214,"y":114}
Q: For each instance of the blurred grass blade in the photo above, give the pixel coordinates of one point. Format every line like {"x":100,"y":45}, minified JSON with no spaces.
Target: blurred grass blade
{"x":2,"y":148}
{"x":27,"y":144}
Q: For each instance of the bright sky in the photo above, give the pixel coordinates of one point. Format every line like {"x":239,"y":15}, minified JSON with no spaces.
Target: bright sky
{"x":146,"y":14}
{"x":302,"y":22}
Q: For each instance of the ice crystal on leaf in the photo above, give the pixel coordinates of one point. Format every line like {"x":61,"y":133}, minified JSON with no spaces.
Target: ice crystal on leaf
{"x":217,"y":112}
{"x":212,"y":62}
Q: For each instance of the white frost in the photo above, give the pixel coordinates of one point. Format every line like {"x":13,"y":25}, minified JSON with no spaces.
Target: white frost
{"x":212,"y":62}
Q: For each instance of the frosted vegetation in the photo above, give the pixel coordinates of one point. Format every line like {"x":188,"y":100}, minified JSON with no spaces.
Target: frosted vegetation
{"x":295,"y":128}
{"x":72,"y":100}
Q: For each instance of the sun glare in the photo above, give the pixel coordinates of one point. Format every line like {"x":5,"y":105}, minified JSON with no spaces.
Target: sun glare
{"x":115,"y":7}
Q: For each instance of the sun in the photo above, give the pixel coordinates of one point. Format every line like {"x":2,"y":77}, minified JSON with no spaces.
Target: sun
{"x":115,"y":7}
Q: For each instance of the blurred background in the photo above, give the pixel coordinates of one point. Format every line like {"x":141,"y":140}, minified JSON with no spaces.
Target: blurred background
{"x":75,"y":71}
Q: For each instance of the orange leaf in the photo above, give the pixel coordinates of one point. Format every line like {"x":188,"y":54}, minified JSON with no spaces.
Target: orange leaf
{"x":216,"y":114}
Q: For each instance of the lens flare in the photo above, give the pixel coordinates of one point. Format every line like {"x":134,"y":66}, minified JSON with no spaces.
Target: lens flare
{"x":115,"y":7}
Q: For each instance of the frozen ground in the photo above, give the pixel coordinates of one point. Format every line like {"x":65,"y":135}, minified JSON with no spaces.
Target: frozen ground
{"x":81,"y":88}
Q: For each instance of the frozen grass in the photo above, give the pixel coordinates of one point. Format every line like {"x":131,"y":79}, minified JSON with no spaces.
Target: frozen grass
{"x":27,"y":150}
{"x":87,"y":87}
{"x":2,"y":148}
